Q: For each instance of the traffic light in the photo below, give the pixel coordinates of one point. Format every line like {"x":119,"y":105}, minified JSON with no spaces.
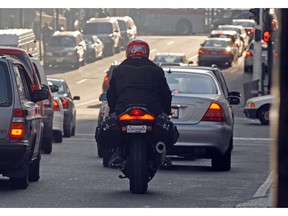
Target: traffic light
{"x":266,"y":36}
{"x":256,"y":13}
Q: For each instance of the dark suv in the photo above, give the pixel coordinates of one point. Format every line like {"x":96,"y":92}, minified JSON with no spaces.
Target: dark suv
{"x":108,"y":31}
{"x":21,"y":125}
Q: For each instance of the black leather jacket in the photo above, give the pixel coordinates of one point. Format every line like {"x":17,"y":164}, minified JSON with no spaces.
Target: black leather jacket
{"x":139,"y":81}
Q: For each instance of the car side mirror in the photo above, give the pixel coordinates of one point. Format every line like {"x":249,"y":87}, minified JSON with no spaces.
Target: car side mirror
{"x":40,"y":94}
{"x":103,"y":97}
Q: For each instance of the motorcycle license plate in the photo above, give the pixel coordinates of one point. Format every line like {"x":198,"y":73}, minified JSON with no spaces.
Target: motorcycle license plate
{"x":136,"y":128}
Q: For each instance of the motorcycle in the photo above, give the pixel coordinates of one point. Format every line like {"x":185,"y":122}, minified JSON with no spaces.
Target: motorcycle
{"x":142,"y":156}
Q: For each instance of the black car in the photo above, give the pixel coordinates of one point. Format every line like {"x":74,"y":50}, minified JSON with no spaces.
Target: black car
{"x":69,"y":108}
{"x":21,"y":126}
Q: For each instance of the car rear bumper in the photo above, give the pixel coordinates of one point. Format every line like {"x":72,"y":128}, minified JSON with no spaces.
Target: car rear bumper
{"x":206,"y":137}
{"x":13,"y":155}
{"x":61,"y":60}
{"x":215,"y":59}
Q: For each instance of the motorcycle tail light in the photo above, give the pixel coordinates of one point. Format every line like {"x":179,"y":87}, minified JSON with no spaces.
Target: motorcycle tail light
{"x":136,"y":114}
{"x":56,"y":106}
{"x":249,"y":54}
{"x":214,"y":113}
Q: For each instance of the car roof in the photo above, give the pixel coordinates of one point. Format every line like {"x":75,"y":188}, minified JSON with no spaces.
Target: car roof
{"x":219,"y":31}
{"x":199,"y":69}
{"x":231,"y":26}
{"x":244,"y":20}
{"x":101,"y":19}
{"x":219,"y":39}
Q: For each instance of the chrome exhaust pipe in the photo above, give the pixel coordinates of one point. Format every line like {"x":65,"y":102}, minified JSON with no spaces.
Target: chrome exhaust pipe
{"x":160,"y":147}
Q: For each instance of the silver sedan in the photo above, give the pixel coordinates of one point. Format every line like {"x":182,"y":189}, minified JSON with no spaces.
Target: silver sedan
{"x":202,"y":112}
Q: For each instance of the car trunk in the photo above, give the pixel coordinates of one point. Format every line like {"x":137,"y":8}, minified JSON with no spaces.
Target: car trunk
{"x":190,"y":109}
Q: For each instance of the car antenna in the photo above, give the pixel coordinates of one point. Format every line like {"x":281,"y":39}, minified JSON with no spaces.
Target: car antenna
{"x":169,"y":71}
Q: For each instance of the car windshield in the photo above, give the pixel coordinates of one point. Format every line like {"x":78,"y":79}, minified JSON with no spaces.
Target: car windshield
{"x":168,"y":58}
{"x":5,"y":87}
{"x":98,"y":27}
{"x":63,"y":41}
{"x":62,"y":89}
{"x":238,"y":30}
{"x":191,"y":83}
{"x":215,"y":43}
{"x":244,"y":24}
{"x":220,"y":35}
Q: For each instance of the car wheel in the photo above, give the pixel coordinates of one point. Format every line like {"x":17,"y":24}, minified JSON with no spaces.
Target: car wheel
{"x":68,"y":129}
{"x":58,"y":137}
{"x":106,"y":157}
{"x":22,"y":182}
{"x":222,"y":162}
{"x":99,"y":150}
{"x":34,"y":170}
{"x":47,"y":145}
{"x":73,"y":130}
{"x":263,"y":114}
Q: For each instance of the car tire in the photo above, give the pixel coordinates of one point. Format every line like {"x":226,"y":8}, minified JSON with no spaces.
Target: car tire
{"x":106,"y":157}
{"x":58,"y":137}
{"x":34,"y":170}
{"x":67,"y":130}
{"x":47,"y":145}
{"x":222,"y":162}
{"x":99,"y":150}
{"x":263,"y":114}
{"x":22,"y":182}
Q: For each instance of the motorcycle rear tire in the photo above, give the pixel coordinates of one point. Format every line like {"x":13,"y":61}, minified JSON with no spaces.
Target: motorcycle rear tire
{"x":138,"y":165}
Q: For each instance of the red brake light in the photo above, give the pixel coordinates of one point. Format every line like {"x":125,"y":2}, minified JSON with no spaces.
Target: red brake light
{"x":136,"y":114}
{"x":251,"y":30}
{"x":200,"y":51}
{"x":214,"y":113}
{"x":18,"y":113}
{"x":65,"y":103}
{"x":56,"y":106}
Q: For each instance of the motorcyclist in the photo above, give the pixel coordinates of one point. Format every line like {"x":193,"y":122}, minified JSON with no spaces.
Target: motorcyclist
{"x":137,"y":80}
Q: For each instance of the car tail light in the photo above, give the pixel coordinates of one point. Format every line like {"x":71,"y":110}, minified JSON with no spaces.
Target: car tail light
{"x":56,"y":105}
{"x":248,"y":54}
{"x":17,"y":127}
{"x":65,"y":103}
{"x":136,"y":114}
{"x":106,"y":81}
{"x":201,"y":51}
{"x":214,"y":113}
{"x":251,"y":30}
{"x":223,"y":52}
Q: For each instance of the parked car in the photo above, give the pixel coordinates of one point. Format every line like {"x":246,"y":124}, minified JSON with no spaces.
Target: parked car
{"x":249,"y":26}
{"x":249,"y":56}
{"x":65,"y":48}
{"x":235,"y":37}
{"x":21,"y":126}
{"x":106,"y":80}
{"x":240,"y":30}
{"x":259,"y":108}
{"x":95,"y":48}
{"x":179,"y":59}
{"x":108,"y":30}
{"x":202,"y":112}
{"x":58,"y":117}
{"x":220,"y":51}
{"x":128,"y":29}
{"x":65,"y":95}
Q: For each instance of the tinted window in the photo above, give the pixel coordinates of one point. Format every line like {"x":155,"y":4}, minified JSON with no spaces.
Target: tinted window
{"x":62,"y":88}
{"x":215,"y":43}
{"x":5,"y":86}
{"x":63,"y":41}
{"x":191,"y":83}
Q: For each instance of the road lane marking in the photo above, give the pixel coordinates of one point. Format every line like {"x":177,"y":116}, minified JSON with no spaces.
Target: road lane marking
{"x":262,"y":190}
{"x":171,"y":42}
{"x":87,"y":102}
{"x":153,"y":50}
{"x":81,"y":81}
{"x":195,"y":56}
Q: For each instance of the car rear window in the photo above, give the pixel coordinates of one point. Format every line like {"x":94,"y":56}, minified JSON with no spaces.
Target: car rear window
{"x":5,"y":86}
{"x":191,"y":83}
{"x":98,"y":28}
{"x":63,"y":41}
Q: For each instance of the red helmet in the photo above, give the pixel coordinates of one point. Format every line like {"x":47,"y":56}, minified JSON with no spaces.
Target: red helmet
{"x":137,"y":47}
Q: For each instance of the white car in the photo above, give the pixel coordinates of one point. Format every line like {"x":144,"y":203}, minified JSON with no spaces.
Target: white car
{"x":58,"y":117}
{"x":258,"y":108}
